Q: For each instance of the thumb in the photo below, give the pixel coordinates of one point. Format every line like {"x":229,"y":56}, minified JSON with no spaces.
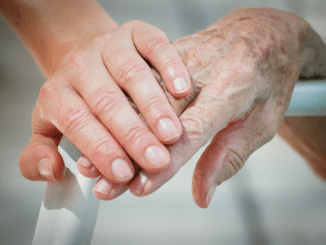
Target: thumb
{"x":40,"y":159}
{"x":225,"y":156}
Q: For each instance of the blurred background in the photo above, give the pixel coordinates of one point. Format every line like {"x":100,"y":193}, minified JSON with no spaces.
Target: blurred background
{"x":274,"y":199}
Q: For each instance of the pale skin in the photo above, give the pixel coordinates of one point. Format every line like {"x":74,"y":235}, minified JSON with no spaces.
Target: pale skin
{"x":243,"y":69}
{"x":246,"y":69}
{"x":89,"y":67}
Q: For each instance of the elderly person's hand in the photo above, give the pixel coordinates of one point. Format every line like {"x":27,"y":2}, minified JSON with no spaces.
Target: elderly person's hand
{"x":244,"y":68}
{"x":91,"y":63}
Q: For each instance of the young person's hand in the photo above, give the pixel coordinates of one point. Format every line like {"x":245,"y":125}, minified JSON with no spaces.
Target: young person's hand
{"x":91,"y":64}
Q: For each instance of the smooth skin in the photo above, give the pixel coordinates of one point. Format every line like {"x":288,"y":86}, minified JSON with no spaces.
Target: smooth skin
{"x":90,"y":63}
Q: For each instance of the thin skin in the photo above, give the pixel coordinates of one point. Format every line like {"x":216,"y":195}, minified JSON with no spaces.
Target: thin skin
{"x":243,"y":69}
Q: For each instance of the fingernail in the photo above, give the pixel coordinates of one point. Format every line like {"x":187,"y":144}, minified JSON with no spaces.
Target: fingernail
{"x":155,"y":156}
{"x":103,"y":186}
{"x":180,"y":85}
{"x":141,"y":186}
{"x":83,"y":161}
{"x":45,"y":169}
{"x":167,"y":129}
{"x":121,"y":170}
{"x":210,"y":194}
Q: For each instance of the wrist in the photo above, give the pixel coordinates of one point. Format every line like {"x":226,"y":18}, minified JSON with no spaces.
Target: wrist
{"x":53,"y":28}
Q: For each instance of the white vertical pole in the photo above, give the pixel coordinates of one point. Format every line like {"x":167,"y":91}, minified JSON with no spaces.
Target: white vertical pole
{"x":69,"y":208}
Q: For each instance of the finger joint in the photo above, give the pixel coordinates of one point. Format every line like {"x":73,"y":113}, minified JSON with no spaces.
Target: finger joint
{"x":134,"y":135}
{"x":153,"y":105}
{"x":105,"y":101}
{"x":73,"y":119}
{"x":105,"y":147}
{"x":130,"y":72}
{"x":235,"y":160}
{"x":156,"y":45}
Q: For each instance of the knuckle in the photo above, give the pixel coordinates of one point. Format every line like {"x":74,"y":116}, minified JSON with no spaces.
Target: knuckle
{"x":102,"y":39}
{"x":237,"y":76}
{"x":47,"y":89}
{"x":76,"y":62}
{"x":130,"y":72}
{"x":105,"y":100}
{"x":134,"y":136}
{"x":46,"y":95}
{"x":170,"y":62}
{"x":235,"y":160}
{"x":153,"y":105}
{"x":104,"y":147}
{"x":243,"y":47}
{"x":157,"y":44}
{"x":199,"y":121}
{"x":233,"y":72}
{"x":40,"y":121}
{"x":194,"y":57}
{"x":195,"y":126}
{"x":72,"y":120}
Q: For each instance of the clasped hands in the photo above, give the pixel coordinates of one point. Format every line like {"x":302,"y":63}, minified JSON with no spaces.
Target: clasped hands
{"x":232,"y":81}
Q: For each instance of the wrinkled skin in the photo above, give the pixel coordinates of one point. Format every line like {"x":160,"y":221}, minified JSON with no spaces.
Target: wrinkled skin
{"x":245,"y":72}
{"x":243,"y":68}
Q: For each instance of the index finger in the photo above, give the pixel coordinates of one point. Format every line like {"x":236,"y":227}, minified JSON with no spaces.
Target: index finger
{"x":154,"y":46}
